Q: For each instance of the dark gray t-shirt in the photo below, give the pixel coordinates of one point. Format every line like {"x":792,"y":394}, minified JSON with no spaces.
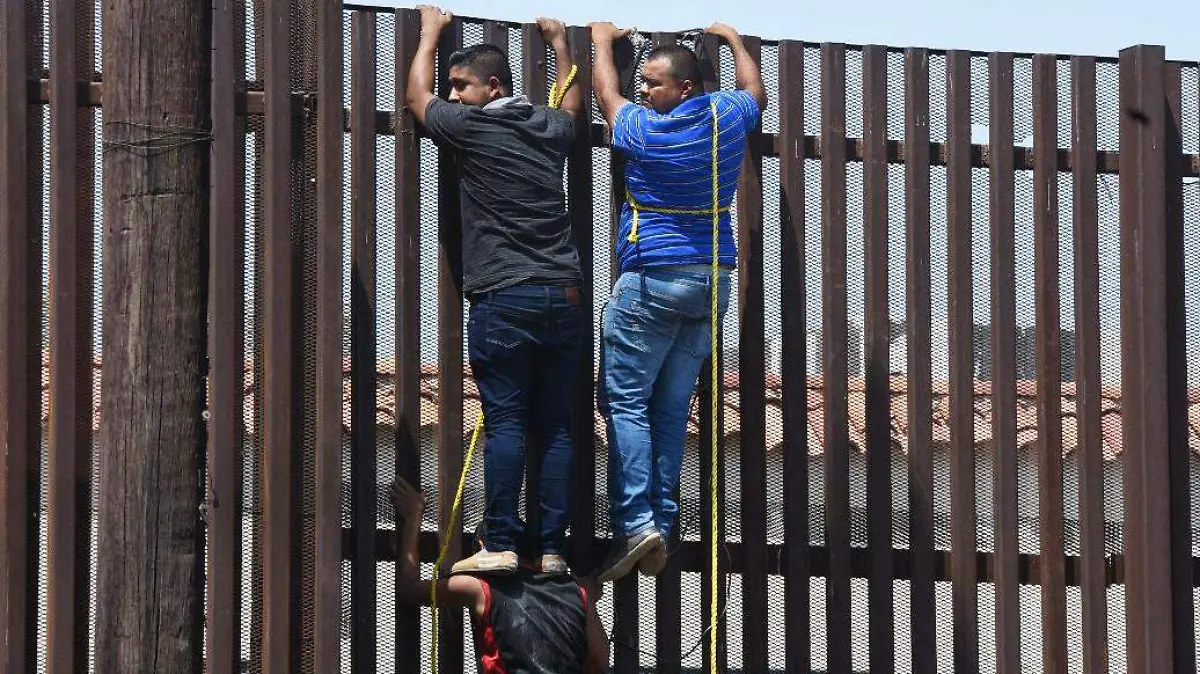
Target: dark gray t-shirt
{"x":514,"y":215}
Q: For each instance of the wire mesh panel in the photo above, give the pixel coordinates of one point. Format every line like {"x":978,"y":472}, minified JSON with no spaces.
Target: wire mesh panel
{"x":43,"y":520}
{"x":385,"y":338}
{"x":250,"y":570}
{"x":249,"y":566}
{"x":1190,"y":133}
{"x":1109,"y":307}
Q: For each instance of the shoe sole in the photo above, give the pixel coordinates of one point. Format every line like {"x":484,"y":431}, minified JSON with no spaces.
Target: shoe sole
{"x":658,"y":565}
{"x":623,"y":567}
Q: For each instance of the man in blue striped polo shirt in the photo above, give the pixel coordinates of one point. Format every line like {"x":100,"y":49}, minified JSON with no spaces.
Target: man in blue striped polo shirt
{"x":657,"y":323}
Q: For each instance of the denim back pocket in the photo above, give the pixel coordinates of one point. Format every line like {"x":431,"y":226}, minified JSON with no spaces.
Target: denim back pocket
{"x":626,"y":321}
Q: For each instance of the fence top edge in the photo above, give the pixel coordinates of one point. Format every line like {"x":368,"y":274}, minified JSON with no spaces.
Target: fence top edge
{"x":808,"y":44}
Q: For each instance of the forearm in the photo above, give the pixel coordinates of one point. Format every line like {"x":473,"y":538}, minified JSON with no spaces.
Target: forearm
{"x":605,"y":80}
{"x":408,"y":574}
{"x":573,"y":98}
{"x":746,"y":71}
{"x":421,"y":72}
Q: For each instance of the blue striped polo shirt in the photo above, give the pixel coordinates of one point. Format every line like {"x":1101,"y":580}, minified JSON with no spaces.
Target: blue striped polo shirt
{"x":670,"y":166}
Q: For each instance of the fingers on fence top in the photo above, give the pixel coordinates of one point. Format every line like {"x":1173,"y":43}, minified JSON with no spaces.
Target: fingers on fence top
{"x":434,"y":17}
{"x":721,"y":30}
{"x":551,"y":29}
{"x":605,"y":30}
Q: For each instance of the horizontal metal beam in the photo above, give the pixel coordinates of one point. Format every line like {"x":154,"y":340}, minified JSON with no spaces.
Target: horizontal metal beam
{"x":691,"y":555}
{"x":1107,"y":162}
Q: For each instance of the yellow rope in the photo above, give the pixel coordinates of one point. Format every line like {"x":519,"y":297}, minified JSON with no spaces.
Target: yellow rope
{"x":556,"y":99}
{"x":716,"y":216}
{"x":557,"y":95}
{"x":637,"y":208}
{"x":446,"y":538}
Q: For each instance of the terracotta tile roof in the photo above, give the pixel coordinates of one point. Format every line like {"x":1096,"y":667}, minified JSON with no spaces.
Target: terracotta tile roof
{"x":939,"y":416}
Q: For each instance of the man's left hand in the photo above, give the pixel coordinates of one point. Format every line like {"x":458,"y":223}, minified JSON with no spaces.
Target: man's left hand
{"x":722,"y":30}
{"x":434,"y":19}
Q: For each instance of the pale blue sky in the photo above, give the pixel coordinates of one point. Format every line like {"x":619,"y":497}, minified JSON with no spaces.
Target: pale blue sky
{"x":1096,"y":27}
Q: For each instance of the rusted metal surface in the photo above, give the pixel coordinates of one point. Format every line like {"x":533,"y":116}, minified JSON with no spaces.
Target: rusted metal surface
{"x":1002,"y":205}
{"x":920,"y":377}
{"x":280,"y":534}
{"x":408,"y":311}
{"x":691,"y":556}
{"x":876,"y":346}
{"x":450,"y":359}
{"x":69,"y":446}
{"x":251,"y":104}
{"x":962,"y":372}
{"x":1049,"y":363}
{"x":20,"y":335}
{"x":834,"y":353}
{"x":625,"y":637}
{"x":1183,"y":636}
{"x":668,"y":587}
{"x":1086,"y":245}
{"x":496,"y":33}
{"x":752,"y":367}
{"x":1145,"y":363}
{"x":708,"y":49}
{"x":363,"y":329}
{"x":226,"y":345}
{"x":580,"y":176}
{"x":327,"y":578}
{"x":793,"y":312}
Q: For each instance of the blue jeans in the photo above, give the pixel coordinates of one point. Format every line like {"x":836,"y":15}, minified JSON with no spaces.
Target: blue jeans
{"x":656,"y":337}
{"x":524,"y":346}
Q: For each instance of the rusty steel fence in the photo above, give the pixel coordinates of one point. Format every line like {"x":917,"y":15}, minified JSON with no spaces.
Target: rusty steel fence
{"x":961,"y":400}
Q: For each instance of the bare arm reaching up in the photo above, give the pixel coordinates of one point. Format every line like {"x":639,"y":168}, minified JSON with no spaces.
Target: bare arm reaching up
{"x":460,"y":590}
{"x":554,"y":32}
{"x":749,"y":78}
{"x":421,"y":77}
{"x":605,"y":79}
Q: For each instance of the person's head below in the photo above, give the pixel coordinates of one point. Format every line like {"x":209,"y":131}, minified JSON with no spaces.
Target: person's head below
{"x":479,"y":75}
{"x":670,"y":76}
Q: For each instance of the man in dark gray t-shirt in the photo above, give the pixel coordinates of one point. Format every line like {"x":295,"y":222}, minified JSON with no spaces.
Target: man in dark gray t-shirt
{"x":510,"y":158}
{"x":521,"y":275}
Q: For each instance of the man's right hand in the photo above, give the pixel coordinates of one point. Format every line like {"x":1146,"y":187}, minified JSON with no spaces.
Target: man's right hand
{"x":434,"y":19}
{"x":605,"y":31}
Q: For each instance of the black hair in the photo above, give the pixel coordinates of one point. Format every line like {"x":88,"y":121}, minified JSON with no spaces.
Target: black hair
{"x":685,"y":65}
{"x":485,"y":61}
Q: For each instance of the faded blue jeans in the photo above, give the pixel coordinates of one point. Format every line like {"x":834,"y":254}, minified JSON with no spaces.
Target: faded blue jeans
{"x":656,"y":335}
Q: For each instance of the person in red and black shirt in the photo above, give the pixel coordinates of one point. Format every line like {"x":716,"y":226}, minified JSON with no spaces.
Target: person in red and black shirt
{"x":525,"y":622}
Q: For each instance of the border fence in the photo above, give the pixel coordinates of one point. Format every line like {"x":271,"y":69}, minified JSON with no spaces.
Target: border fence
{"x":961,"y":400}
